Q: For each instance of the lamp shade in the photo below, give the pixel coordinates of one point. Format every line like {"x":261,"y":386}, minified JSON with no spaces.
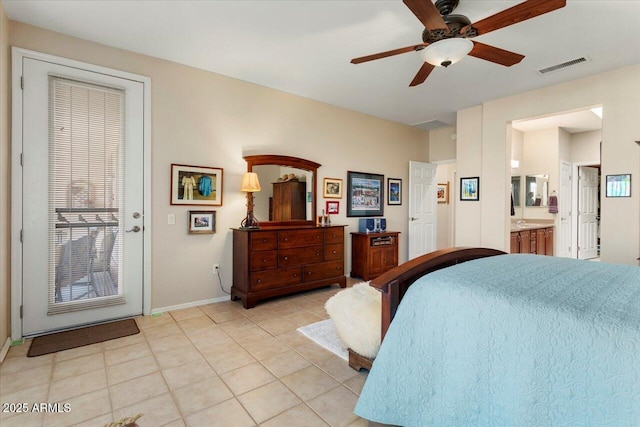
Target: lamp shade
{"x":446,"y":52}
{"x":250,"y":183}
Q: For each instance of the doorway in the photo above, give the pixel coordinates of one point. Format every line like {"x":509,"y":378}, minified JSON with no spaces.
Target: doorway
{"x":80,"y":192}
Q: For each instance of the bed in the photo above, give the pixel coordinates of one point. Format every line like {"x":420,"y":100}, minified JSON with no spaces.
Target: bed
{"x":487,"y":338}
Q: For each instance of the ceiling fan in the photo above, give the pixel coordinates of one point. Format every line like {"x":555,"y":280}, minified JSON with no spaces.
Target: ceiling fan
{"x":446,"y":35}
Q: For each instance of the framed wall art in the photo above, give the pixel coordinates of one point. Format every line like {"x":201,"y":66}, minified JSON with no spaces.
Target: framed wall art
{"x":196,"y":185}
{"x":333,"y":207}
{"x":332,"y":188}
{"x":202,"y":222}
{"x":618,"y":185}
{"x":394,"y":191}
{"x":366,"y":194}
{"x":442,"y":193}
{"x":470,"y":188}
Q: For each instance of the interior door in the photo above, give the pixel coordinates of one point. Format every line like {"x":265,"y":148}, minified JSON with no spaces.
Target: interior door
{"x":422,"y":209}
{"x":587,"y":212}
{"x":564,"y":211}
{"x":82,"y":197}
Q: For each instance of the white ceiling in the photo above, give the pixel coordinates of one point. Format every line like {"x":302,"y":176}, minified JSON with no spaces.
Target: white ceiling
{"x":304,"y":47}
{"x":572,"y":122}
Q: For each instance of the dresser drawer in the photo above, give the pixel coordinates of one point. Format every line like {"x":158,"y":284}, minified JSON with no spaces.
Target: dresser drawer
{"x":275,"y":278}
{"x":264,"y":240}
{"x":299,"y":238}
{"x":334,"y":235}
{"x":299,"y":256}
{"x":334,"y":252}
{"x":323,"y":270}
{"x":264,"y":260}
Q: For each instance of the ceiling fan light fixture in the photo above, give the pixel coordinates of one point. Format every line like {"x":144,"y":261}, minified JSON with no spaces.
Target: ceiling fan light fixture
{"x":446,"y":52}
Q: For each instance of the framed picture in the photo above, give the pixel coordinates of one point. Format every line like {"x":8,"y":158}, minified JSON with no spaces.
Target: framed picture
{"x":333,"y":207}
{"x":332,"y":188}
{"x":442,"y":193}
{"x":394,"y":191}
{"x":202,"y":222}
{"x":470,"y":188}
{"x":366,"y":194}
{"x":196,"y":185}
{"x":618,"y":185}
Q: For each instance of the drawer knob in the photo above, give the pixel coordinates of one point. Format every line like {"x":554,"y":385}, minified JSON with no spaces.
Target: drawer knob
{"x":317,"y":253}
{"x":264,"y":240}
{"x":264,"y":260}
{"x":334,"y":252}
{"x":286,"y":258}
{"x":259,"y":281}
{"x":309,"y":273}
{"x":295,"y":274}
{"x":318,"y":236}
{"x":286,"y":239}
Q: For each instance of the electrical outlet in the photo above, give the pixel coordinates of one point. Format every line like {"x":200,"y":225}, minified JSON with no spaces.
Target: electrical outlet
{"x":216,"y":268}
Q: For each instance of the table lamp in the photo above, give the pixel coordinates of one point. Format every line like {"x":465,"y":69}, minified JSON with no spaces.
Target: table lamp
{"x":250,"y":184}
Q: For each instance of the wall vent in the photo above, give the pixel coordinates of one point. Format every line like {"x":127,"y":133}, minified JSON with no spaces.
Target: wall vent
{"x":431,"y":125}
{"x":564,"y":65}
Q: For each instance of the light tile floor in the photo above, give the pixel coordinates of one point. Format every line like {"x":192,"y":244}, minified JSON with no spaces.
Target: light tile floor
{"x":213,"y":365}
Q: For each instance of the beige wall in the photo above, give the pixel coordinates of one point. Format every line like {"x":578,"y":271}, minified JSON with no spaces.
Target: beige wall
{"x":5,"y":138}
{"x":445,"y":173}
{"x":541,"y":150}
{"x":202,"y":118}
{"x":442,"y":144}
{"x":484,"y":146}
{"x":585,"y":147}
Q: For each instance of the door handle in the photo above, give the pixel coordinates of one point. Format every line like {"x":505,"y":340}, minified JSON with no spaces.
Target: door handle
{"x":413,"y":219}
{"x":135,"y":229}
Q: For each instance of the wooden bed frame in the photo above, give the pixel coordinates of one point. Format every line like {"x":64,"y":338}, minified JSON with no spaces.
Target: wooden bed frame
{"x":394,"y":284}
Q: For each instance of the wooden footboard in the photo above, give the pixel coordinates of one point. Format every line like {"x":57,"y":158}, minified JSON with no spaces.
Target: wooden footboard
{"x":394,"y":283}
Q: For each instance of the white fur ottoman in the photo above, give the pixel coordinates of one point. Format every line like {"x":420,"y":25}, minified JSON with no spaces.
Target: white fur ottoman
{"x":356,"y":313}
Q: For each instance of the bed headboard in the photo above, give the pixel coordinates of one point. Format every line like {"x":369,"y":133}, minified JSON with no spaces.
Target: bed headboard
{"x":394,"y":283}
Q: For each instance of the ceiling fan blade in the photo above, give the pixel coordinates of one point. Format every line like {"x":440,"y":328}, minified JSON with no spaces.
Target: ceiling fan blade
{"x":427,"y":13}
{"x":422,"y":75}
{"x":495,"y":54}
{"x":388,"y":53}
{"x":518,"y":13}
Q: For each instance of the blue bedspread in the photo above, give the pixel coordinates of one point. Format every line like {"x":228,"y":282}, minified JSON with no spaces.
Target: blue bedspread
{"x":512,"y":340}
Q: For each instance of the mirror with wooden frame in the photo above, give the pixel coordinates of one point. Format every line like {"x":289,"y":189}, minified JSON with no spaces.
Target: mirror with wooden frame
{"x":288,"y":189}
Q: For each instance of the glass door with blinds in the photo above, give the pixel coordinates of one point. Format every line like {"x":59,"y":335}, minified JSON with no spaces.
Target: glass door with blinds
{"x":82,"y":197}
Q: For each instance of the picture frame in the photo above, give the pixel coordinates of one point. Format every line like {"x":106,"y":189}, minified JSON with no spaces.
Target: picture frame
{"x":394,"y":191}
{"x":470,"y":189}
{"x":196,"y":185}
{"x":618,"y":185}
{"x":202,"y":222}
{"x":332,"y":188}
{"x":442,"y":193}
{"x":333,"y":207}
{"x":366,"y":194}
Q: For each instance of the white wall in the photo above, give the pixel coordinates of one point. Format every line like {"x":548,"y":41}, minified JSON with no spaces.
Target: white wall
{"x":484,"y":149}
{"x":206,"y":119}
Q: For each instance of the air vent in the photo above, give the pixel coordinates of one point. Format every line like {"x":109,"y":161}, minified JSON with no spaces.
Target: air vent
{"x":431,"y":125}
{"x":564,"y":65}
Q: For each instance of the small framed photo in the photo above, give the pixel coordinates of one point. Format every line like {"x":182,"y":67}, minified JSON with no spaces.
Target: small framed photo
{"x":333,"y":207}
{"x":470,"y":188}
{"x":442,"y":193}
{"x":196,"y":185}
{"x":202,"y":222}
{"x":332,"y":188}
{"x":618,"y":185}
{"x":394,"y":191}
{"x":366,"y":194}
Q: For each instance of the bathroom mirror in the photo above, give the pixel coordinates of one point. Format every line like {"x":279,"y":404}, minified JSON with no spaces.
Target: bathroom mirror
{"x":536,"y":190}
{"x":294,"y":201}
{"x":515,"y":191}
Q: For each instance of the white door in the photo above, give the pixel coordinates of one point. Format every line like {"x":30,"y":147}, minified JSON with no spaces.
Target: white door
{"x":587,"y":212}
{"x":564,"y":212}
{"x":422,"y":209}
{"x":82,"y":197}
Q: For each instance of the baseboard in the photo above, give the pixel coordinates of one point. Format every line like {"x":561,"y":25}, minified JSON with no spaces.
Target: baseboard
{"x":5,"y":349}
{"x":189,"y":305}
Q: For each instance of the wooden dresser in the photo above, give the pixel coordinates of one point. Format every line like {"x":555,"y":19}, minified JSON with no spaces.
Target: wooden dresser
{"x":274,"y":261}
{"x":373,"y":253}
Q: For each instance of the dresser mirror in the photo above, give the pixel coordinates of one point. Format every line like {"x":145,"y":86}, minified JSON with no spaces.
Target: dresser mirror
{"x":288,"y":189}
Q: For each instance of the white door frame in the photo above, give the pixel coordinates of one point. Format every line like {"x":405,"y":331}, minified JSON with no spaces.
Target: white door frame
{"x":18,"y":54}
{"x":574,"y":203}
